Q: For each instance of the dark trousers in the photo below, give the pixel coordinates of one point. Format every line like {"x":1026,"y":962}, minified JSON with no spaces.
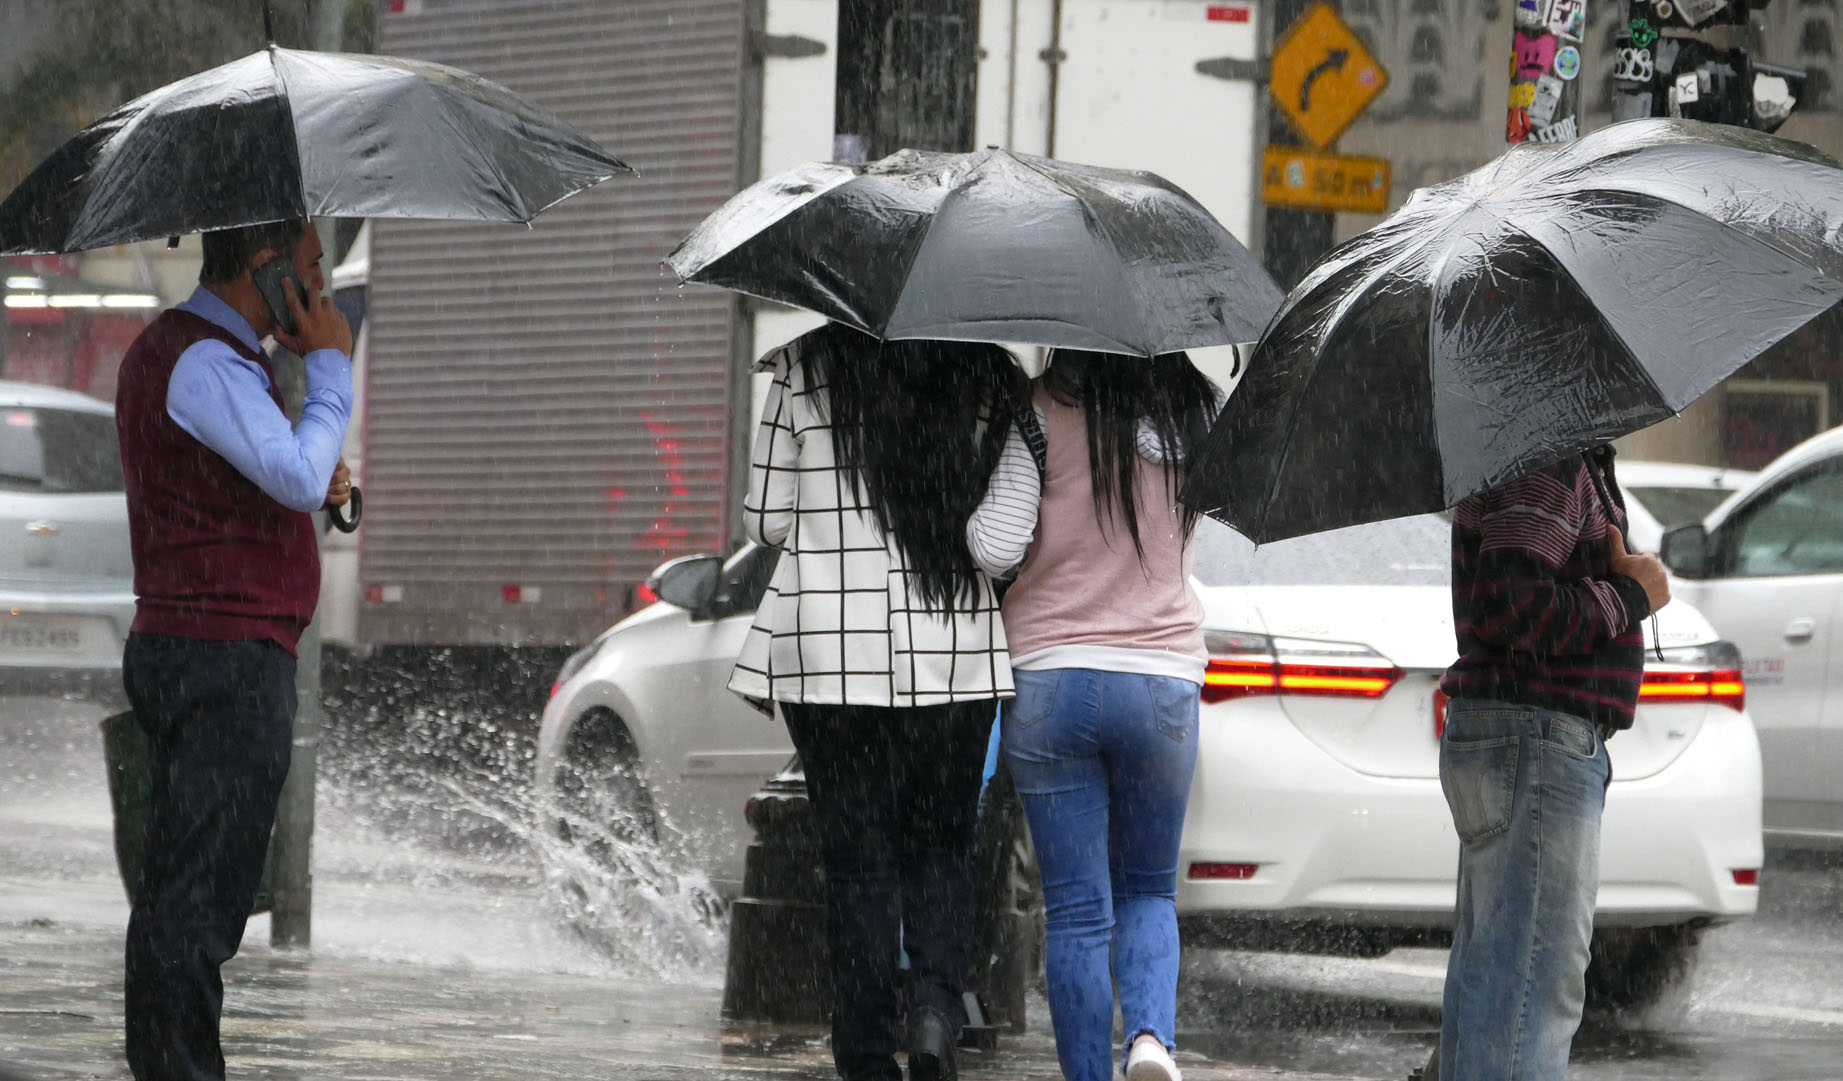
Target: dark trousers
{"x":895,"y":795}
{"x":219,"y":719}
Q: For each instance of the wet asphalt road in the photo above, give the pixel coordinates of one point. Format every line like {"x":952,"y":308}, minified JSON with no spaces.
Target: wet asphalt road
{"x":436,"y":955}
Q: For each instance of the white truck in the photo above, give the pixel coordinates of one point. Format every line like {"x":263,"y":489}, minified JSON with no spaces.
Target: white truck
{"x":546,"y":415}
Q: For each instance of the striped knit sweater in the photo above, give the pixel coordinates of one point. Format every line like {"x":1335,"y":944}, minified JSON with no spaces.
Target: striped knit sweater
{"x":1542,"y":620}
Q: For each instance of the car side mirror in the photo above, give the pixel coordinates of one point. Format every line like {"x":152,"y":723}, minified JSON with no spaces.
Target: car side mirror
{"x":1685,"y":550}
{"x":689,"y":582}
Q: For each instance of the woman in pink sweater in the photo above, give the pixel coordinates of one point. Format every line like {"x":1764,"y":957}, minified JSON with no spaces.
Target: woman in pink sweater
{"x":1107,"y":654}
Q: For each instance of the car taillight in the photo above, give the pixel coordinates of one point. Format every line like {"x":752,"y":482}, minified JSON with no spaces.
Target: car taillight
{"x":645,"y":595}
{"x":1239,"y":664}
{"x":1250,"y":664}
{"x":1724,"y":687}
{"x":1710,"y":673}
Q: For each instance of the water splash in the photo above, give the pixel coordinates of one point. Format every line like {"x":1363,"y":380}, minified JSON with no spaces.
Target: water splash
{"x":457,"y":788}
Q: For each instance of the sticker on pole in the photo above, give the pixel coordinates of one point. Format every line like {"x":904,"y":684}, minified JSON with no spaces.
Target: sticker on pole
{"x":1543,"y":104}
{"x":1697,"y":12}
{"x":1323,"y":77}
{"x":1566,"y":19}
{"x":1568,"y":62}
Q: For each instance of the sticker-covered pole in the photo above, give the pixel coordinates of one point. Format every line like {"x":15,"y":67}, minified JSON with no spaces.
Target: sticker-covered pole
{"x":1545,"y":70}
{"x":1635,"y":47}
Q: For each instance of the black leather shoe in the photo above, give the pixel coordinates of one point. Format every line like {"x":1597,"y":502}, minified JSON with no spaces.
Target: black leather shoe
{"x":931,"y":1043}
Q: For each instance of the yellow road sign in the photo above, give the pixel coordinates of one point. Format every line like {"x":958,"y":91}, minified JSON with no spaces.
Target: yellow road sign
{"x":1322,"y":75}
{"x":1306,"y":180}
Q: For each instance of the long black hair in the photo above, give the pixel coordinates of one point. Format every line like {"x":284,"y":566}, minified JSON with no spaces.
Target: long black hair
{"x":921,"y":425}
{"x":1116,"y":394}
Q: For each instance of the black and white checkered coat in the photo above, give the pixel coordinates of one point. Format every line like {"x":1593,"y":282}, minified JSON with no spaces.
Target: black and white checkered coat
{"x":838,"y":624}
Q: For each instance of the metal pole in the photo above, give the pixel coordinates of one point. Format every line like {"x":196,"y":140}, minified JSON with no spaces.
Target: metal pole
{"x":291,"y":912}
{"x":1053,"y":56}
{"x":907,"y":75}
{"x":1292,"y":241}
{"x":291,"y":908}
{"x":1545,"y":69}
{"x":329,"y":28}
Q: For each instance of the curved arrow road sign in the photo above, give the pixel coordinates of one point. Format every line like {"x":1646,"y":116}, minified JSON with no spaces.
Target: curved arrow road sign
{"x":1323,"y":77}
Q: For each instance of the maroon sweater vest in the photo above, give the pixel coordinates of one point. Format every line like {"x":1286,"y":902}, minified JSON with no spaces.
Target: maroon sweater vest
{"x":214,"y":556}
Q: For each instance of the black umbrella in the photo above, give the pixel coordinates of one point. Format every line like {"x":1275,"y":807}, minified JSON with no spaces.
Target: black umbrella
{"x":1547,"y":303}
{"x":988,"y":247}
{"x":285,"y":134}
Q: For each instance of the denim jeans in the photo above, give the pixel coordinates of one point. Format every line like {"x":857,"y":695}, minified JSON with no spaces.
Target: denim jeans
{"x":1103,"y":761}
{"x":895,"y":795}
{"x":1526,"y":787}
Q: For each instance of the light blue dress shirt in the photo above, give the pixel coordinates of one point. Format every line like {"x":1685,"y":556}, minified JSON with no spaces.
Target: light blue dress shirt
{"x":222,"y":400}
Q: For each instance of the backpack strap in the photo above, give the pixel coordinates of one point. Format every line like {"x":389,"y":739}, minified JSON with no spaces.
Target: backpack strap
{"x":1031,"y":429}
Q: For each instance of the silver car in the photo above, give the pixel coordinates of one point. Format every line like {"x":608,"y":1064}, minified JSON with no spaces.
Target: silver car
{"x":66,"y":577}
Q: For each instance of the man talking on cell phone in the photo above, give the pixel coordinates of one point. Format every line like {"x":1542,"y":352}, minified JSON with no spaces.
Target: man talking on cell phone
{"x":226,"y":576}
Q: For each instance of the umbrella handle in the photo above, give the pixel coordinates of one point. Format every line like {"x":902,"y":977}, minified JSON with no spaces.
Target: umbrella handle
{"x":346,"y":518}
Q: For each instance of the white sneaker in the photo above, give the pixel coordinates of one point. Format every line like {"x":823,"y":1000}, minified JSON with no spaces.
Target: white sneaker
{"x":1149,"y":1061}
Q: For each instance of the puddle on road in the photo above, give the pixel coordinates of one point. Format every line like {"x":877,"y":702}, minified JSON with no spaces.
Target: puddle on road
{"x":438,"y":861}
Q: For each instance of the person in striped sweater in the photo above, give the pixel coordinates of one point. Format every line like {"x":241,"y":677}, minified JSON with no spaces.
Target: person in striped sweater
{"x":1548,"y":607}
{"x":1106,"y":640}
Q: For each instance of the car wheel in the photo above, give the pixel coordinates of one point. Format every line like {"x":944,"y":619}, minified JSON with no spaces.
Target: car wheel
{"x":1009,"y":920}
{"x":607,"y":865}
{"x":601,"y":802}
{"x":1637,"y":969}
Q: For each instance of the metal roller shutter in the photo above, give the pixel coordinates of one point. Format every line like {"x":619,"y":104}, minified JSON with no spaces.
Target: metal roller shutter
{"x":549,"y":416}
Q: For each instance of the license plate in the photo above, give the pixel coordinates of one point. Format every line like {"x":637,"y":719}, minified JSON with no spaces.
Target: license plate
{"x":43,"y":636}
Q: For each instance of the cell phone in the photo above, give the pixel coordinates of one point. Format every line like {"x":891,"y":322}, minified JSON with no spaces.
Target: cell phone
{"x":269,"y":279}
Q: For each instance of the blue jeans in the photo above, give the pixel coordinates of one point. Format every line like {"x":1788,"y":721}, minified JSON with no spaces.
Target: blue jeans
{"x":1102,"y":761}
{"x":1526,"y":787}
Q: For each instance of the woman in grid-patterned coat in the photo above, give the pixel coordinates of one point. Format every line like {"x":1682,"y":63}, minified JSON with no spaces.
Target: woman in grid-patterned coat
{"x":880,"y":641}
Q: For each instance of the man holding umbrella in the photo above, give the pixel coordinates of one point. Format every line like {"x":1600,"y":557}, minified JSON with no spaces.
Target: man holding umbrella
{"x":1548,"y":607}
{"x":219,"y":485}
{"x":226,"y":576}
{"x":1464,"y":354}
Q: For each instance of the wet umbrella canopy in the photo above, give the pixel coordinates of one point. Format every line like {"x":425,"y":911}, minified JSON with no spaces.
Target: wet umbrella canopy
{"x":286,"y":134}
{"x":1549,"y":302}
{"x":989,"y":247}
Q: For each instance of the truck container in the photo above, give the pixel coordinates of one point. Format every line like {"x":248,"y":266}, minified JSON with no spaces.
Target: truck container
{"x":547,"y":415}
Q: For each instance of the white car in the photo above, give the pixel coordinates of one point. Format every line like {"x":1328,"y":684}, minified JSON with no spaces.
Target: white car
{"x":1317,"y":816}
{"x":66,"y":574}
{"x":1766,"y":567}
{"x":1663,"y":495}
